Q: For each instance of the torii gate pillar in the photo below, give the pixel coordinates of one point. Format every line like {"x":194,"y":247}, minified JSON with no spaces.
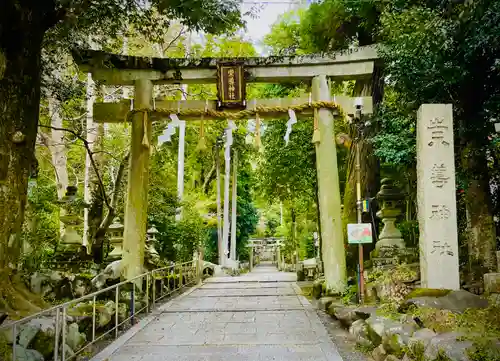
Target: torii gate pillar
{"x":136,"y":208}
{"x":332,"y":249}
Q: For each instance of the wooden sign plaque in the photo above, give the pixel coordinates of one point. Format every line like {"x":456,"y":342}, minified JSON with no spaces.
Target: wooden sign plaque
{"x":231,"y":87}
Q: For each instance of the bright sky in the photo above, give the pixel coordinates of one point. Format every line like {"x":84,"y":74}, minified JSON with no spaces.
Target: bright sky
{"x":268,"y":12}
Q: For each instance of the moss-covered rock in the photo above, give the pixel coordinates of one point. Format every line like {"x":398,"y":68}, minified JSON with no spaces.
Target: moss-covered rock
{"x":455,"y":301}
{"x":317,"y":290}
{"x":427,"y":292}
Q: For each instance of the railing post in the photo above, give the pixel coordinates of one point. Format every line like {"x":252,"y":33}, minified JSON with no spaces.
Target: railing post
{"x":63,"y":338}
{"x":154,"y":288}
{"x":147,"y":292}
{"x":162,"y":284}
{"x":14,"y":341}
{"x":132,"y":303}
{"x":181,"y":281}
{"x":117,"y":298}
{"x":56,"y":339}
{"x":93,"y":318}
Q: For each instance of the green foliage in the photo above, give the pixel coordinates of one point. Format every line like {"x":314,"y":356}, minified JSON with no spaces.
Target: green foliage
{"x":288,"y":172}
{"x":395,"y":142}
{"x":350,"y":294}
{"x":409,"y":231}
{"x":416,"y":351}
{"x":41,"y":231}
{"x":247,"y":217}
{"x":484,"y":350}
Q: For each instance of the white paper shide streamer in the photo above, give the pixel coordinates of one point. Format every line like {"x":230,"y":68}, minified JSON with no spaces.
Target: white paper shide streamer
{"x":170,"y":130}
{"x":289,"y":124}
{"x":229,"y":140}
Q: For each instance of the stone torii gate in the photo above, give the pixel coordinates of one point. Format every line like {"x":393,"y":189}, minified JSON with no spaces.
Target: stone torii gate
{"x":143,"y":73}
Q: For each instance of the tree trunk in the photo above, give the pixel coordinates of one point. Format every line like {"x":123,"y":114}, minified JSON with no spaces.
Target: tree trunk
{"x":481,"y":228}
{"x":58,"y":147}
{"x":58,"y":151}
{"x":100,"y":233}
{"x":91,"y":135}
{"x":21,"y":36}
{"x":370,"y":167}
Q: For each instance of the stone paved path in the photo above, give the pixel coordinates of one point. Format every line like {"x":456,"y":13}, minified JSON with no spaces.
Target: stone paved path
{"x":256,"y":317}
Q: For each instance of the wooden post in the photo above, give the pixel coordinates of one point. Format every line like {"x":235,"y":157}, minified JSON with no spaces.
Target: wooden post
{"x":234,"y":205}
{"x":227,"y":178}
{"x":220,"y":247}
{"x":138,"y":181}
{"x":333,"y":250}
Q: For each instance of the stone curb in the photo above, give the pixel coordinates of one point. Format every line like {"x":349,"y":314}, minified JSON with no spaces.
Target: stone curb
{"x":120,"y":341}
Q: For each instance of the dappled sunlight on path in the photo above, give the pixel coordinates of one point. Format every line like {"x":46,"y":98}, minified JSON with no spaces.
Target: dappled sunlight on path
{"x":257,"y":316}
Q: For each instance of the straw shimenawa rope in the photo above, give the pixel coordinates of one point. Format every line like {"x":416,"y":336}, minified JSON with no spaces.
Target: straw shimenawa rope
{"x":242,"y":114}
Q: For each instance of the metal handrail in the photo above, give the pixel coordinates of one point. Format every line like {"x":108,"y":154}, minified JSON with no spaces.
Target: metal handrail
{"x":62,"y":309}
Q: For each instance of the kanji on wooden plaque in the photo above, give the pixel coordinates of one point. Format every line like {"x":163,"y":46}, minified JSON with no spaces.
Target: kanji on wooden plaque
{"x":231,"y":85}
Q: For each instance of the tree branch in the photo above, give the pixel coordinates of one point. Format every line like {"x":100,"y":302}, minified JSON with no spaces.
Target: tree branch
{"x":210,"y":177}
{"x":92,"y":161}
{"x":182,"y":31}
{"x":114,"y":196}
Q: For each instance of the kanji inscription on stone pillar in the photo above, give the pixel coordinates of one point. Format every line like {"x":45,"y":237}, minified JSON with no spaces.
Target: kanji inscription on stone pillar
{"x":437,"y":210}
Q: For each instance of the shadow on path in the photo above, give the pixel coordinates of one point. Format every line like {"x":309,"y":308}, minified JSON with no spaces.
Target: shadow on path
{"x":258,"y":316}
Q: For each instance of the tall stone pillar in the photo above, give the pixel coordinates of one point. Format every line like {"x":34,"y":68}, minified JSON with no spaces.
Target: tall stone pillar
{"x":136,"y":207}
{"x":437,"y":212}
{"x":333,"y":250}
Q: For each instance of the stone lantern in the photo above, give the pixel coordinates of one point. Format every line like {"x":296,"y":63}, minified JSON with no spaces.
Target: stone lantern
{"x":72,"y":206}
{"x":389,"y":196}
{"x":151,"y":253}
{"x":116,"y":240}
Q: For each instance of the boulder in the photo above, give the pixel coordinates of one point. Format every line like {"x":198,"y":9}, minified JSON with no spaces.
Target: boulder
{"x":68,"y":352}
{"x":392,"y":334}
{"x":365,"y":312}
{"x":422,"y":337}
{"x":317,"y":289}
{"x":380,"y":325}
{"x":379,"y":353}
{"x":74,"y":338}
{"x":448,"y":345}
{"x":23,"y":354}
{"x":347,"y":315}
{"x":359,"y":329}
{"x":27,"y":334}
{"x":37,"y":281}
{"x":395,"y":343}
{"x":491,"y":283}
{"x":325,"y":302}
{"x":454,"y":301}
{"x":44,"y":340}
{"x":391,"y":358}
{"x":106,"y":314}
{"x":111,"y":272}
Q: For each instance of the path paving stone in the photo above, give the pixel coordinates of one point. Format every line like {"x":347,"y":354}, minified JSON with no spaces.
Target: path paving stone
{"x":256,"y":317}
